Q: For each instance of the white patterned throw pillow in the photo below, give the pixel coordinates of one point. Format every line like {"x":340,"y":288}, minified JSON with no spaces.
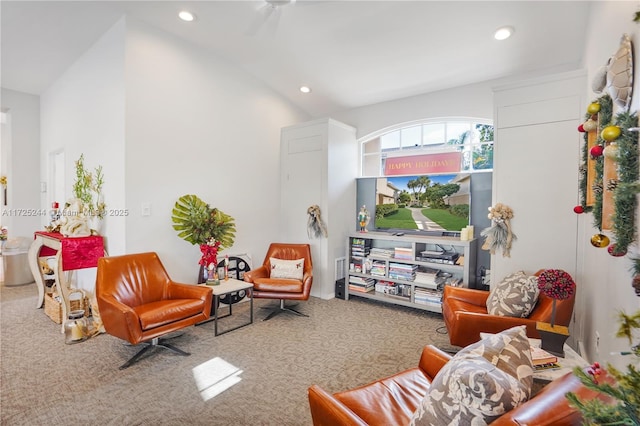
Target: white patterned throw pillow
{"x":515,"y":296}
{"x":480,"y":383}
{"x":289,"y":269}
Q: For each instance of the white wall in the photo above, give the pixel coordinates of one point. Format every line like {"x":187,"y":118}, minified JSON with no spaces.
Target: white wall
{"x":83,"y":113}
{"x":20,"y":156}
{"x":473,"y":101}
{"x":606,"y":280}
{"x":196,"y":125}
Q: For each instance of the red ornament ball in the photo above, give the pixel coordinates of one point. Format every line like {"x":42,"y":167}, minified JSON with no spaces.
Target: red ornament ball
{"x":578,"y":209}
{"x":614,"y":252}
{"x":581,"y":129}
{"x":596,"y":151}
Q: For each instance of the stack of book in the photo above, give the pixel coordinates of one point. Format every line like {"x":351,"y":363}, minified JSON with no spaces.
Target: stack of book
{"x":403,"y":253}
{"x":378,"y":268}
{"x":360,"y":248}
{"x":542,"y":359}
{"x":379,"y":252}
{"x":361,"y":284}
{"x":429,"y":277}
{"x":426,"y":296}
{"x":402,"y":271}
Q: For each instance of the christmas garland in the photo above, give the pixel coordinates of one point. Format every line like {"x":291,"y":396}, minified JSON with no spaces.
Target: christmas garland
{"x":605,"y":117}
{"x":625,"y":193}
{"x":627,"y":185}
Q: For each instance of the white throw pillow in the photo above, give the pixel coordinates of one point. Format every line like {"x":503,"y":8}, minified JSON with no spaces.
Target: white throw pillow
{"x":515,"y":296}
{"x":290,"y":269}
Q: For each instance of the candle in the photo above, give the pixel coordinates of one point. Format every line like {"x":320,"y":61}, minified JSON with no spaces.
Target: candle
{"x":76,"y":331}
{"x":470,"y":233}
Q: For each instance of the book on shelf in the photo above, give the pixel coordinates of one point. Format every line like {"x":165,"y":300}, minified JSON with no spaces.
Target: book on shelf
{"x":362,"y":242}
{"x":360,"y":289}
{"x":424,"y":295}
{"x":378,"y":268}
{"x":541,"y":357}
{"x":360,"y":280}
{"x":379,"y":252}
{"x":428,"y":276}
{"x":403,"y":253}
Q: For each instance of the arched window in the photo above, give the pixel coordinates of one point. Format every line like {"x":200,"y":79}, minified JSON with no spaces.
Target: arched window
{"x":468,"y":142}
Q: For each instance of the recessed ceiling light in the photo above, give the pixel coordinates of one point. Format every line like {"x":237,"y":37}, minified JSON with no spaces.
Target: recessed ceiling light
{"x":305,"y":89}
{"x":503,"y":33}
{"x":186,"y":16}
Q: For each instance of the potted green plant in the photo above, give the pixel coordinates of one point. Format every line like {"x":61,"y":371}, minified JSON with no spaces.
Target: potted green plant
{"x":209,"y":228}
{"x":87,"y":190}
{"x":624,"y":390}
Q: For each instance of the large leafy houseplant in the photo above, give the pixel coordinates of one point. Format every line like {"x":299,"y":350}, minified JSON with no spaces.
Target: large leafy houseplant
{"x":200,"y":224}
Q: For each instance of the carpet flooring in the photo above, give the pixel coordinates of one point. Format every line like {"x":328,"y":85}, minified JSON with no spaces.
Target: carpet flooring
{"x":341,"y":345}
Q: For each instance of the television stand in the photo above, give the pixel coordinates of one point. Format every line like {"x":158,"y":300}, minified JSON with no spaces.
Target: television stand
{"x":409,"y":270}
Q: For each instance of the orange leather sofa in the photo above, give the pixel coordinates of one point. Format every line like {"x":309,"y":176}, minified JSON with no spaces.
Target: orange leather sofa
{"x":393,"y":400}
{"x":465,"y":314}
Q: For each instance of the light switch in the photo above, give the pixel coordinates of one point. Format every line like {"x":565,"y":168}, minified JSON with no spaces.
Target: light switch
{"x":146,"y":209}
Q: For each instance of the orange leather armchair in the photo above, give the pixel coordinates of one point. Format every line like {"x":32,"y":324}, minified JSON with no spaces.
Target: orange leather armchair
{"x":265,"y":287}
{"x":393,"y":400}
{"x":465,"y":314}
{"x":139,"y":303}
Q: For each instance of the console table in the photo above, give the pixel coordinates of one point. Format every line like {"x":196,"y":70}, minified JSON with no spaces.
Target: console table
{"x":71,"y":253}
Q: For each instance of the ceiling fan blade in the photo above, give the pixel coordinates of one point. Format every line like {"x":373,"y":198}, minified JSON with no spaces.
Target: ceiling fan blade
{"x":263,"y":15}
{"x":271,"y":26}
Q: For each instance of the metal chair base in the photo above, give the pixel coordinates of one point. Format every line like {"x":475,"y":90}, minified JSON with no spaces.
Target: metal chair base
{"x":156,"y":342}
{"x":280,"y":309}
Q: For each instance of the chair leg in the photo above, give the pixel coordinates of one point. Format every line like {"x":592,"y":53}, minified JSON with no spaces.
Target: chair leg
{"x":156,"y":342}
{"x":282,"y":308}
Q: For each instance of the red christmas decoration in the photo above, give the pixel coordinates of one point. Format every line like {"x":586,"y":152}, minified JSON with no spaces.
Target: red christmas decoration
{"x":209,"y":254}
{"x":581,"y":128}
{"x":596,"y":151}
{"x":578,"y":209}
{"x":612,"y":250}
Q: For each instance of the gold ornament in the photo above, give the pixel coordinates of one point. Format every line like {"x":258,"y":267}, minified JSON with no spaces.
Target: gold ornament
{"x":610,"y":133}
{"x":590,"y":125}
{"x":599,"y":240}
{"x":593,"y":108}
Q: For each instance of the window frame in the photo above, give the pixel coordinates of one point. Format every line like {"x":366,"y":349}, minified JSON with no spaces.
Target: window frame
{"x":366,"y":157}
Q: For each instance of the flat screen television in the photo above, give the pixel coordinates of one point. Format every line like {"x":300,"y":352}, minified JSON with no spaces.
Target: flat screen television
{"x":437,"y":204}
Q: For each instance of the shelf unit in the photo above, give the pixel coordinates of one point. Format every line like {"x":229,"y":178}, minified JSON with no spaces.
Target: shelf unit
{"x":372,"y":269}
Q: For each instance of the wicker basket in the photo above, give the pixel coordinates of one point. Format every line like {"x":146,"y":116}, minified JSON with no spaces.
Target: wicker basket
{"x":53,"y":307}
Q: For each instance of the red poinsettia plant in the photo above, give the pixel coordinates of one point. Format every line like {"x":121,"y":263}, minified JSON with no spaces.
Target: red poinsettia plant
{"x":558,"y":285}
{"x":209,"y":253}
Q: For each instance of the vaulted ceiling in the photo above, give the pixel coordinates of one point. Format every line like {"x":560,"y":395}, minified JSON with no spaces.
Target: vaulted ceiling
{"x":351,"y":53}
